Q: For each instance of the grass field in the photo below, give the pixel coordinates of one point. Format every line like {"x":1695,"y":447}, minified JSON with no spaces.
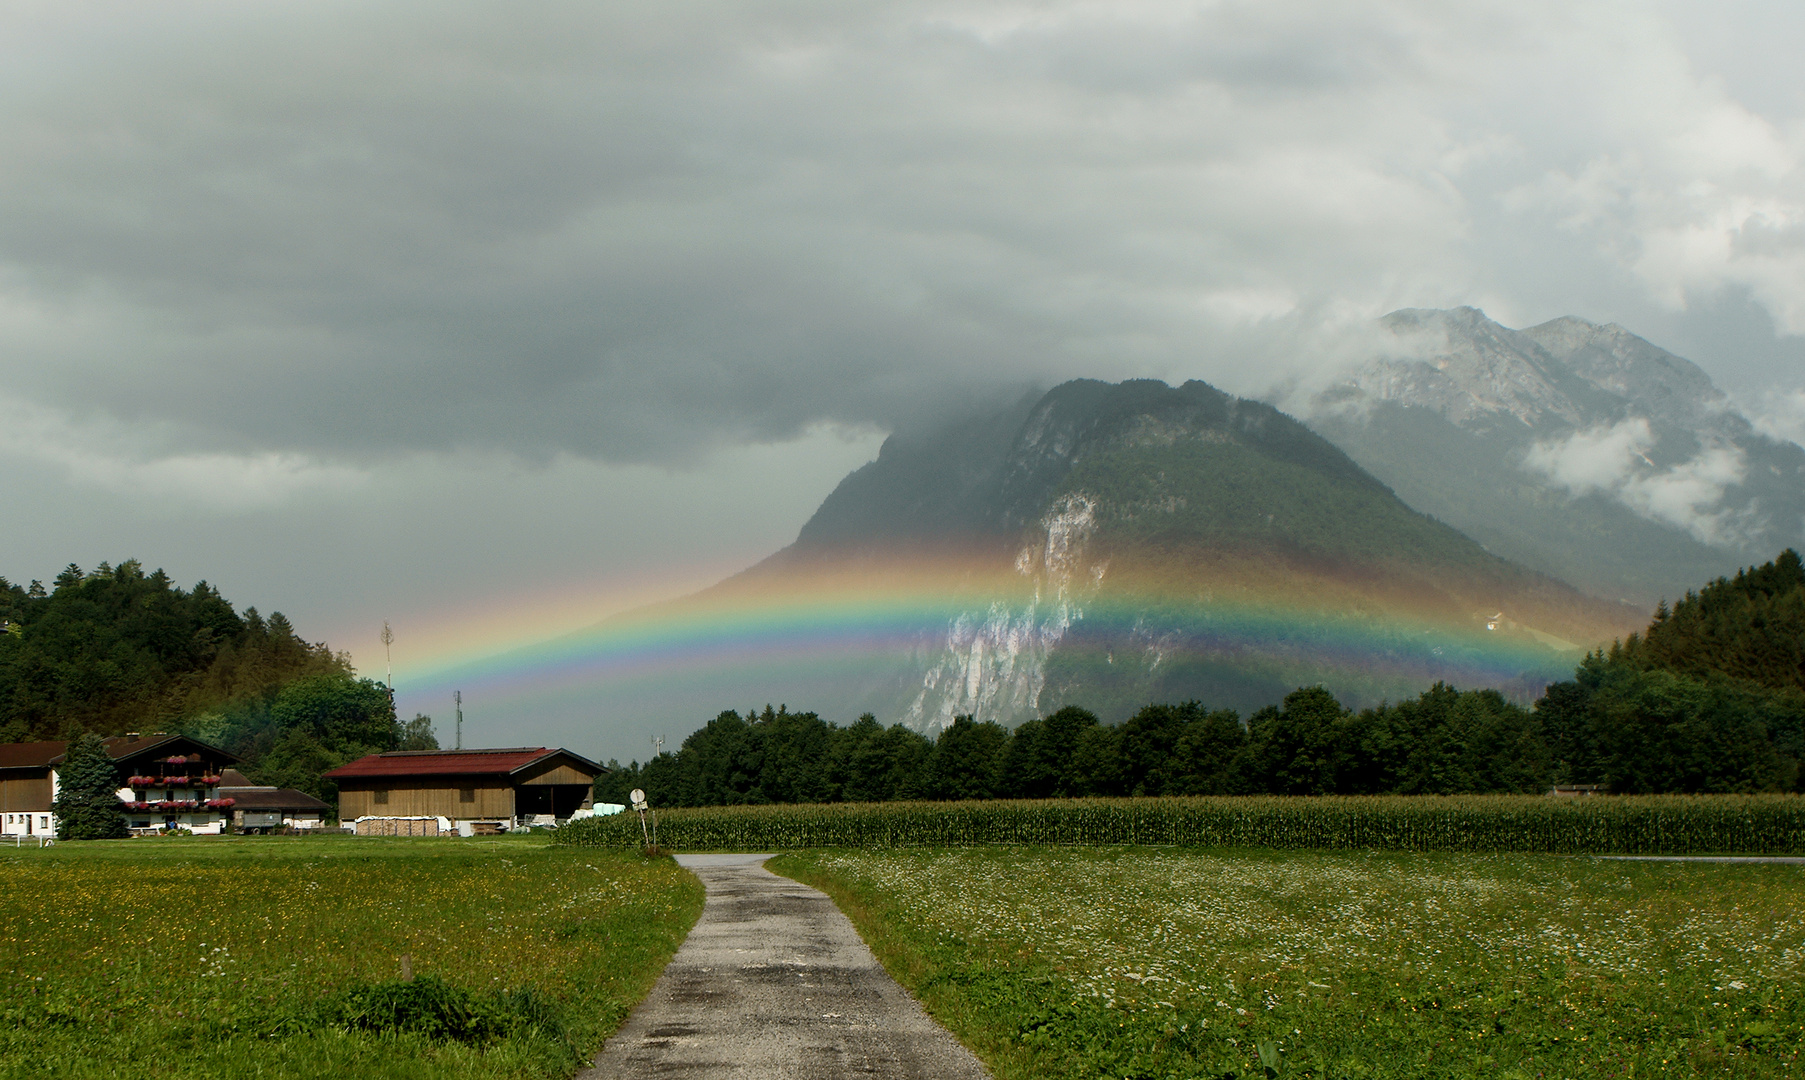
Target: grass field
{"x":1155,"y":963}
{"x":280,"y":957}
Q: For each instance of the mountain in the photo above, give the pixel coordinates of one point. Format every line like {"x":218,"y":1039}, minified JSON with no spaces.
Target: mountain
{"x":1579,"y":450}
{"x":1110,"y":545}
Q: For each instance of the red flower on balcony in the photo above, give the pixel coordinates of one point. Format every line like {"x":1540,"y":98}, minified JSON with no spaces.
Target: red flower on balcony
{"x":171,"y":806}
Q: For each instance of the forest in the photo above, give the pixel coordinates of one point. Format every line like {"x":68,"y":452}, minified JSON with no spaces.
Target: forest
{"x":117,"y":649}
{"x":1711,"y":698}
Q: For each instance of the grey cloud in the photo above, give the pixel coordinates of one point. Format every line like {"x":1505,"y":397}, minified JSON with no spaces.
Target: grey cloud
{"x":639,"y":232}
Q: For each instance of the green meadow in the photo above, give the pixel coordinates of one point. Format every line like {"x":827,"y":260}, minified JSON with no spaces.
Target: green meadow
{"x":282,"y":957}
{"x":1140,"y":962}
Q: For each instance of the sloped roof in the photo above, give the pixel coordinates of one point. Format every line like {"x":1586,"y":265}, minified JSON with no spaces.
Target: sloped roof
{"x":275,"y":799}
{"x":42,"y":755}
{"x":27,"y":755}
{"x":497,"y":762}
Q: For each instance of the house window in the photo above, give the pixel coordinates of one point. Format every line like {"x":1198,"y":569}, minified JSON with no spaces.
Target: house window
{"x":467,"y":794}
{"x":381,"y":798}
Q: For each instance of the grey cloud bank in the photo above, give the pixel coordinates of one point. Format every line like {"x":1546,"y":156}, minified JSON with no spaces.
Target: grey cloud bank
{"x":281,"y":262}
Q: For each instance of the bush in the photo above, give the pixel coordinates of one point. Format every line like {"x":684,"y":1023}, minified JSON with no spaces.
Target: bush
{"x":436,"y":1009}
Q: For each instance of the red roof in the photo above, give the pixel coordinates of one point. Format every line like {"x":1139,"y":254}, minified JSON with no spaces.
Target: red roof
{"x":451,"y":762}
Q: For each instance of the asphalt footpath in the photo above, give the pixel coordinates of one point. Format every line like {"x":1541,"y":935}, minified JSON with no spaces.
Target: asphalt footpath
{"x":773,"y":982}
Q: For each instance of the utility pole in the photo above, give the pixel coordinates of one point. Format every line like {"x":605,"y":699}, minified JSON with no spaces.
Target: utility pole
{"x":388,"y":638}
{"x":457,"y":698}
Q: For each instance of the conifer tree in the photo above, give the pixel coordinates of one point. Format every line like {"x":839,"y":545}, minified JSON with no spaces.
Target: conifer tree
{"x":87,"y":800}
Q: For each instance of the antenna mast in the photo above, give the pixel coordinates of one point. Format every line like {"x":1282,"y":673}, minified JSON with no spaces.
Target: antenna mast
{"x":457,"y":698}
{"x":388,"y":638}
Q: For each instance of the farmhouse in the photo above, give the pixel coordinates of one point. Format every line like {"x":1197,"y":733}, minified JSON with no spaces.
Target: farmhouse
{"x":475,"y":790}
{"x":166,"y":782}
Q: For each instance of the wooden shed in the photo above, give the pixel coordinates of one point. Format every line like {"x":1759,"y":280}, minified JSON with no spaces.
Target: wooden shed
{"x":513,"y":786}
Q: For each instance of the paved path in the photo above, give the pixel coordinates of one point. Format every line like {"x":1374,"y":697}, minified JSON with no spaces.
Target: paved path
{"x":774,"y":983}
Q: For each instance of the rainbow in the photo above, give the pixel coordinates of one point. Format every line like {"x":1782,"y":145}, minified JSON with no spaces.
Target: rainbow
{"x":843,"y":638}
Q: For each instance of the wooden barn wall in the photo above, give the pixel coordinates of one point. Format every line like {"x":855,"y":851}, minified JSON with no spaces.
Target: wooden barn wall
{"x":25,"y":794}
{"x":556,"y":771}
{"x":491,"y":802}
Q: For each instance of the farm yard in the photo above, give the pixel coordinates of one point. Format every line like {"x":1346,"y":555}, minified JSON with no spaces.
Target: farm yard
{"x":282,"y":957}
{"x":1161,"y":962}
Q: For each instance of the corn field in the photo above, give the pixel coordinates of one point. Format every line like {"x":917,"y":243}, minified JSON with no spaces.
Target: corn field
{"x":1619,"y":825}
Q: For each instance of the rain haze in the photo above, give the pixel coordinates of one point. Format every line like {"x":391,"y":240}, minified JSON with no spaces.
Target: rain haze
{"x":491,"y":321}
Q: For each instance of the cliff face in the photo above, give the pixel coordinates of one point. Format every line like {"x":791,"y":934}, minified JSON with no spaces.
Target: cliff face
{"x":1579,"y":450}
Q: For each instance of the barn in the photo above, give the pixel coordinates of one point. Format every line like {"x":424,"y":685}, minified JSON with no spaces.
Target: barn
{"x":475,"y":790}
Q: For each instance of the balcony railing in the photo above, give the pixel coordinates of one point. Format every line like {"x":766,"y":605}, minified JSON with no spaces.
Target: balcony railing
{"x":178,"y":806}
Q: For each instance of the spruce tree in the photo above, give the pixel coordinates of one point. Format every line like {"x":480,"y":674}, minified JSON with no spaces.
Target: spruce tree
{"x":87,"y":799}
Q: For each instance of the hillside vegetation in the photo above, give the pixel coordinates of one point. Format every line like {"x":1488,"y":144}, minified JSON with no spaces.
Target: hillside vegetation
{"x":118,"y":650}
{"x":1710,"y":698}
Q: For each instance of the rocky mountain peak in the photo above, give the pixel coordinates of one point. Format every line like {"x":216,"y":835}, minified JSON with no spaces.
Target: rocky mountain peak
{"x":1468,"y":368}
{"x":1652,"y":380}
{"x":1576,"y":448}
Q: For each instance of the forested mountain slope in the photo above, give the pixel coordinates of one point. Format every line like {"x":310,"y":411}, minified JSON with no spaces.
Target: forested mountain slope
{"x":1111,"y":544}
{"x":1710,"y":698}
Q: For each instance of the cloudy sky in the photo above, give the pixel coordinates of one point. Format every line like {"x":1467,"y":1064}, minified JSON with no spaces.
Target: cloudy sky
{"x":459,"y":315}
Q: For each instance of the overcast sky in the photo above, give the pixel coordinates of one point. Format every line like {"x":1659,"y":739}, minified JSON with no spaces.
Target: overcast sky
{"x":428,"y":311}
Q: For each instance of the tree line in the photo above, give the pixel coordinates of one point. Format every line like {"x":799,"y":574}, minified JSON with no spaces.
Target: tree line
{"x":117,"y":649}
{"x":1711,"y":698}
